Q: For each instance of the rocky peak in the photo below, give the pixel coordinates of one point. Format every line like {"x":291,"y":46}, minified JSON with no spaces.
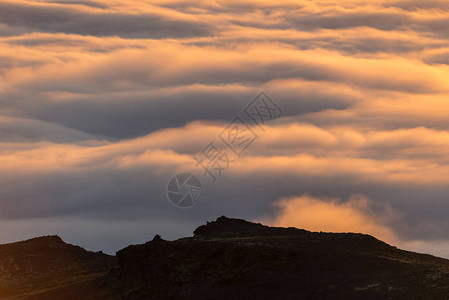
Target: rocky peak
{"x":224,"y":227}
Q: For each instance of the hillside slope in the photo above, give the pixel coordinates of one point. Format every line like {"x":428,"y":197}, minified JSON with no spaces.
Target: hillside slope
{"x":39,"y":265}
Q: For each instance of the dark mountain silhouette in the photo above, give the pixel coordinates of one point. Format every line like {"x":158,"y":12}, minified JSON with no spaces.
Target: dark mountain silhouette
{"x":225,"y":259}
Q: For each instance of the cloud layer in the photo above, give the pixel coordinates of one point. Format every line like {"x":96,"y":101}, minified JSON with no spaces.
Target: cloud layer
{"x":102,"y":102}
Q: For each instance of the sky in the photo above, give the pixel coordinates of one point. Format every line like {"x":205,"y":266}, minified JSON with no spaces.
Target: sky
{"x":103,"y":102}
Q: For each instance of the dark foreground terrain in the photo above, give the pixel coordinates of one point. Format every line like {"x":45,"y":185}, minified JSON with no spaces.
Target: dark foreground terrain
{"x":225,"y":259}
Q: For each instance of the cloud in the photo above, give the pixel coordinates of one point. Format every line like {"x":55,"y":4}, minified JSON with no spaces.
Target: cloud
{"x":127,"y":179}
{"x":90,"y":20}
{"x":413,"y":5}
{"x":102,"y":102}
{"x":384,"y":20}
{"x":353,"y":215}
{"x":332,"y":215}
{"x":26,"y":130}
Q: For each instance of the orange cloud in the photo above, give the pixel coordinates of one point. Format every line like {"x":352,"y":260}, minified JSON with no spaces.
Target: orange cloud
{"x":355,"y":215}
{"x":331,"y":215}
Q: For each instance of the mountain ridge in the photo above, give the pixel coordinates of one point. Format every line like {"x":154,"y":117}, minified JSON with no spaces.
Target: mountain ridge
{"x":229,"y":258}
